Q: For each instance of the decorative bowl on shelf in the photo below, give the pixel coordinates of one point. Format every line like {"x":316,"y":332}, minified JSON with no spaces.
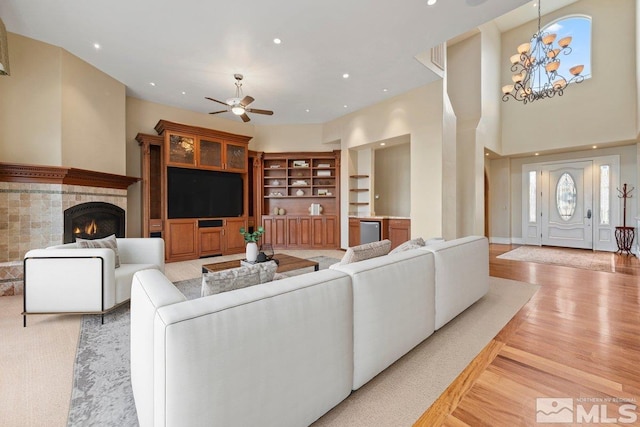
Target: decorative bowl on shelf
{"x":300,"y":193}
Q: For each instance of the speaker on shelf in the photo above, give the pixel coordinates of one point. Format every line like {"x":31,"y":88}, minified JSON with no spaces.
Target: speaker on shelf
{"x":208,"y":223}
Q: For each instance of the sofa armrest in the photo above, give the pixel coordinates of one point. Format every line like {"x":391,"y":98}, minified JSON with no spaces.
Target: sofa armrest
{"x":150,"y":290}
{"x":136,"y":250}
{"x":69,"y":280}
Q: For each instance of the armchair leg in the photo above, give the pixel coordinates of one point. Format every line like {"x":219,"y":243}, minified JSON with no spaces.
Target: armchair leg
{"x":103,"y":319}
{"x":24,"y":321}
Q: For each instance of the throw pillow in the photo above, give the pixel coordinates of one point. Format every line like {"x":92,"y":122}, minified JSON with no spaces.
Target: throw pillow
{"x":266,"y":270}
{"x":408,"y":245}
{"x":228,"y":280}
{"x":108,"y":242}
{"x":366,"y":251}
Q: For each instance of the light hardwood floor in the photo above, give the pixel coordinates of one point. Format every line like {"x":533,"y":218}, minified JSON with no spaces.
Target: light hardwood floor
{"x":578,"y":337}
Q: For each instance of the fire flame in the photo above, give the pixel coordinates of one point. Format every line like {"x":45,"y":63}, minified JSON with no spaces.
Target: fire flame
{"x":91,"y":228}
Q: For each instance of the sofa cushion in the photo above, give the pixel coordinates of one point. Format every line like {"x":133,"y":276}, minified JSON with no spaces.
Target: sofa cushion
{"x":408,"y":245}
{"x":108,"y":242}
{"x":124,"y":278}
{"x":366,"y":251}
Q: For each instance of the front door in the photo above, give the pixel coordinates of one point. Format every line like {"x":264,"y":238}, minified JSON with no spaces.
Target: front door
{"x":567,"y":203}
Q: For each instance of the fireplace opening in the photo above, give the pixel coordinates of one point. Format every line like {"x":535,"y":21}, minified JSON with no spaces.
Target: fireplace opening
{"x":93,"y":220}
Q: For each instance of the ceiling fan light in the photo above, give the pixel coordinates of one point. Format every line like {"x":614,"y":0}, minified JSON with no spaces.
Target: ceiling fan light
{"x":238,"y":110}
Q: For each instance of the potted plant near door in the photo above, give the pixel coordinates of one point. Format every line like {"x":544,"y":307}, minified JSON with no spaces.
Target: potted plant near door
{"x":251,"y":239}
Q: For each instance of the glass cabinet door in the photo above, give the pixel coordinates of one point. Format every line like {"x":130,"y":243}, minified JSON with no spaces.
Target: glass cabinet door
{"x":182,"y":149}
{"x":211,"y":153}
{"x":236,"y":157}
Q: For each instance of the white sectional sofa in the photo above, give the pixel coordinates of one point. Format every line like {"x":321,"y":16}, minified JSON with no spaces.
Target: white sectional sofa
{"x":286,"y":352}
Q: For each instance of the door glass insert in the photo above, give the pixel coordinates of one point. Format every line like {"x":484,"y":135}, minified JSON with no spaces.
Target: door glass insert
{"x":604,"y":195}
{"x":566,"y":196}
{"x":532,"y":196}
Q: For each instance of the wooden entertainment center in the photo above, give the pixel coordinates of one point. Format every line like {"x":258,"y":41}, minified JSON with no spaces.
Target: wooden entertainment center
{"x":278,"y":190}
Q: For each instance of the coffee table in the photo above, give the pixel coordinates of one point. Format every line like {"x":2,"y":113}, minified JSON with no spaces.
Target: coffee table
{"x":285,"y":263}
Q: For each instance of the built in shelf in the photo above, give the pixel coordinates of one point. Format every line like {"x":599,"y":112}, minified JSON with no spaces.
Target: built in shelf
{"x":358,"y":176}
{"x":359,"y":190}
{"x":359,"y":203}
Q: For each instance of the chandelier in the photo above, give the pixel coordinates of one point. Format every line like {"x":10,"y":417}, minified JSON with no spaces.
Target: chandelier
{"x":535,"y":68}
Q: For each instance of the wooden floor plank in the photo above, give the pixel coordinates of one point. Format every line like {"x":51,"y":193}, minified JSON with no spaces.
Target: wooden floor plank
{"x":578,"y":337}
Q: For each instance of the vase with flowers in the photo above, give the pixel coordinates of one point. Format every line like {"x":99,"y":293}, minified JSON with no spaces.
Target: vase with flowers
{"x":251,"y":239}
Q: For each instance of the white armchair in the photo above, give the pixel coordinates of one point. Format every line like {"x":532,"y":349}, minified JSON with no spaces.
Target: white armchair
{"x":67,"y":279}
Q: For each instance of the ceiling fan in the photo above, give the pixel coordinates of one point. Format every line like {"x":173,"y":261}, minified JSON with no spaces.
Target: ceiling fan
{"x":239,"y":105}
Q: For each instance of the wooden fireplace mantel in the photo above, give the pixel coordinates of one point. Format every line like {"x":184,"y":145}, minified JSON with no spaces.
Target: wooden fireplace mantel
{"x":14,"y":172}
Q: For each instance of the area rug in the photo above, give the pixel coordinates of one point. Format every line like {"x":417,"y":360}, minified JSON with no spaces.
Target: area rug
{"x":102,"y":392}
{"x":578,"y":258}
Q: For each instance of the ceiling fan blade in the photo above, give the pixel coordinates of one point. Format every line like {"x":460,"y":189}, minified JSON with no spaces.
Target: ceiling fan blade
{"x":255,"y":110}
{"x":218,"y":112}
{"x":246,"y":101}
{"x":215,"y":100}
{"x":244,"y":117}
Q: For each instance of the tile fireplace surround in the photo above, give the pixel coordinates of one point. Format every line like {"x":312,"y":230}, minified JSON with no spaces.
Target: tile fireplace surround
{"x":31,"y":212}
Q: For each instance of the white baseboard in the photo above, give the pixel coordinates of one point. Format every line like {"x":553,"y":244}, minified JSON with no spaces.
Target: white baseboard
{"x":500,"y":240}
{"x":507,"y":240}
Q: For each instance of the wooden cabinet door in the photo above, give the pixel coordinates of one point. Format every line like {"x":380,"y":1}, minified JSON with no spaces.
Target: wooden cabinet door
{"x":324,"y":232}
{"x":211,"y":241}
{"x":331,"y":232}
{"x":318,"y":230}
{"x":210,"y":154}
{"x":182,"y":239}
{"x":234,"y":240}
{"x":293,"y":232}
{"x":235,"y":157}
{"x":354,"y":232}
{"x":304,"y":230}
{"x":399,"y":231}
{"x":181,"y":149}
{"x":274,"y":231}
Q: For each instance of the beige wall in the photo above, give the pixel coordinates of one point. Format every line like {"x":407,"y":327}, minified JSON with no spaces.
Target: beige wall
{"x":600,"y":110}
{"x":417,"y":113}
{"x":30,"y":104}
{"x":500,"y":200}
{"x":392,"y":172}
{"x":290,"y":138}
{"x":57,"y":110}
{"x":93,"y":118}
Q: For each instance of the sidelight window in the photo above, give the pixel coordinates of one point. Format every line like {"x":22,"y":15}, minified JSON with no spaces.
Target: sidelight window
{"x":605,"y":209}
{"x":532,"y":196}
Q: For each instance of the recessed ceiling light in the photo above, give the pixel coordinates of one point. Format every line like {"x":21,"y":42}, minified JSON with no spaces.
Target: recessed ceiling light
{"x":345,"y":76}
{"x":345,"y":105}
{"x":431,"y":2}
{"x":277,"y":41}
{"x":537,"y":154}
{"x":594,"y":147}
{"x":96,"y":46}
{"x":385,"y":90}
{"x":152,"y":83}
{"x":383,"y":144}
{"x":307,"y":110}
{"x":486,"y":154}
{"x":184,"y":93}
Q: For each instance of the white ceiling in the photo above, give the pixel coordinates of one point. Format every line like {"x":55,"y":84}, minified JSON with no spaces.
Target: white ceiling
{"x":196,"y":46}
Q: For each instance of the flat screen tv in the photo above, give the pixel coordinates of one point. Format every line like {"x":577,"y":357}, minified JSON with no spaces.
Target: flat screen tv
{"x":194,"y":193}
